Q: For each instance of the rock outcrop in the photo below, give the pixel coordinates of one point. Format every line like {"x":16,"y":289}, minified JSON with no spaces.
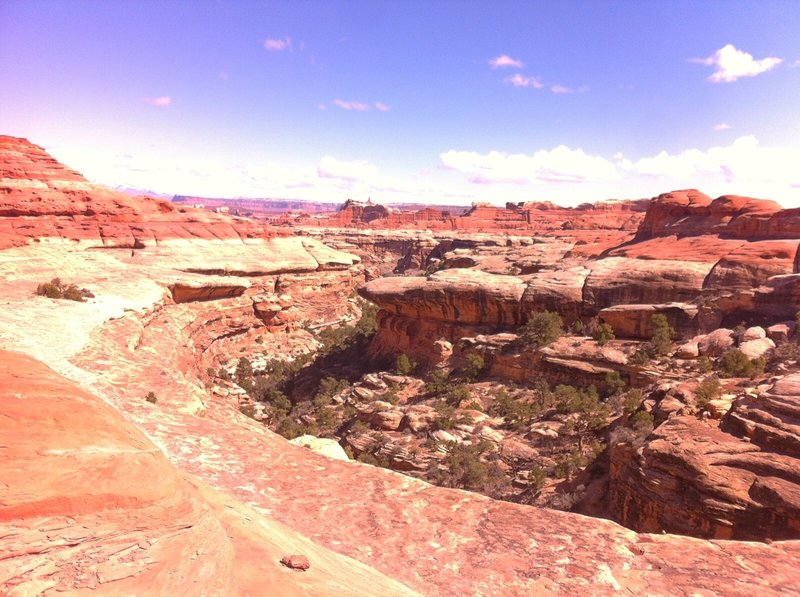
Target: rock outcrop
{"x":736,"y":479}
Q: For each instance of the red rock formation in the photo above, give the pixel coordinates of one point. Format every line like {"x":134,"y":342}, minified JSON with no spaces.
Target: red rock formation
{"x":736,"y":481}
{"x":40,"y":198}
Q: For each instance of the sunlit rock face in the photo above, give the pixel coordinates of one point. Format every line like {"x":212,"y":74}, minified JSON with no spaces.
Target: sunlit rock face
{"x":111,"y":493}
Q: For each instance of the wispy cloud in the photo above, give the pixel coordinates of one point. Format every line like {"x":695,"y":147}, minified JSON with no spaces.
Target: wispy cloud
{"x":346,"y":105}
{"x":359,"y":170}
{"x":722,"y":126}
{"x":278,"y":45}
{"x":561,"y":89}
{"x":381,"y":107}
{"x":505,"y":61}
{"x":519,"y":80}
{"x":732,"y":64}
{"x":560,"y":164}
{"x":161,"y":102}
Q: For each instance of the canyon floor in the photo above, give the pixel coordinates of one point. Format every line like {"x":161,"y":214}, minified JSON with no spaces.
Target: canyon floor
{"x":138,"y":452}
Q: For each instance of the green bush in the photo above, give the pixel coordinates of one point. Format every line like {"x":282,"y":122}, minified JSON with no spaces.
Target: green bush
{"x":735,"y":363}
{"x":437,"y":382}
{"x":704,"y":364}
{"x":473,"y":367}
{"x":604,"y":334}
{"x":464,"y":468}
{"x":661,"y":334}
{"x":542,"y":328}
{"x":404,"y":365}
{"x":640,"y":357}
{"x":707,"y":390}
{"x":456,"y":394}
{"x":613,"y":383}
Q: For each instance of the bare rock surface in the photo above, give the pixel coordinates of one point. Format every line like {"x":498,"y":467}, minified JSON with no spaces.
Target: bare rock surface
{"x":90,"y":505}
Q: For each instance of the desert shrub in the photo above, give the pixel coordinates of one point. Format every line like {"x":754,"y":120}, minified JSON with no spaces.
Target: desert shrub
{"x":613,"y":383}
{"x":437,"y":382}
{"x":707,"y":390}
{"x":244,"y":370}
{"x":455,"y":394}
{"x":734,"y":363}
{"x":404,"y":365}
{"x":586,"y":402}
{"x":473,"y":366}
{"x":783,"y":354}
{"x":641,"y":422}
{"x":603,"y":334}
{"x":661,"y":334}
{"x":290,"y":429}
{"x":151,"y":397}
{"x":578,"y":328}
{"x":73,"y":293}
{"x":328,"y":388}
{"x":359,"y":427}
{"x":516,"y":413}
{"x":56,"y":289}
{"x":464,"y":468}
{"x":640,"y":357}
{"x":569,"y":464}
{"x":704,"y":364}
{"x":445,"y":416}
{"x":326,"y":419}
{"x":542,"y":328}
{"x":632,"y":399}
{"x":391,"y":396}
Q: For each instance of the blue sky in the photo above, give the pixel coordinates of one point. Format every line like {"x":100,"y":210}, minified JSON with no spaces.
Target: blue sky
{"x":446,"y":101}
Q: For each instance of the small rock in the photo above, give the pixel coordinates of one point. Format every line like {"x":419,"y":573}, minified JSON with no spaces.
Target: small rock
{"x":780,"y":332}
{"x":690,"y":350}
{"x":296,"y":562}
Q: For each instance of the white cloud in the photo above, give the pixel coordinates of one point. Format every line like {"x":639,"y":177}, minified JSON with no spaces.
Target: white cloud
{"x":743,"y":162}
{"x":519,"y":80}
{"x":381,"y":107}
{"x":278,"y":45}
{"x":161,"y":102}
{"x":360,"y":170}
{"x":561,"y":89}
{"x":357,"y":106}
{"x":742,"y":167}
{"x":505,"y":61}
{"x":732,"y":64}
{"x":557,"y":165}
{"x":722,"y":126}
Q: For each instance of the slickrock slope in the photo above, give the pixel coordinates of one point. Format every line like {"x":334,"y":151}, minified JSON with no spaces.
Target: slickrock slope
{"x":90,"y":506}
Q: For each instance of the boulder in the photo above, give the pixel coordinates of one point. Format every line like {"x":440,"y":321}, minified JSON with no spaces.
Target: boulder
{"x":754,"y":349}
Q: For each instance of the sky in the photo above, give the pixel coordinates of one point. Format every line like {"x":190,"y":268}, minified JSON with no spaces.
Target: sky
{"x":441,"y":101}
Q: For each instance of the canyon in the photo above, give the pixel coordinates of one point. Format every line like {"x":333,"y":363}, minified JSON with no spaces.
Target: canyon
{"x":139,"y":453}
